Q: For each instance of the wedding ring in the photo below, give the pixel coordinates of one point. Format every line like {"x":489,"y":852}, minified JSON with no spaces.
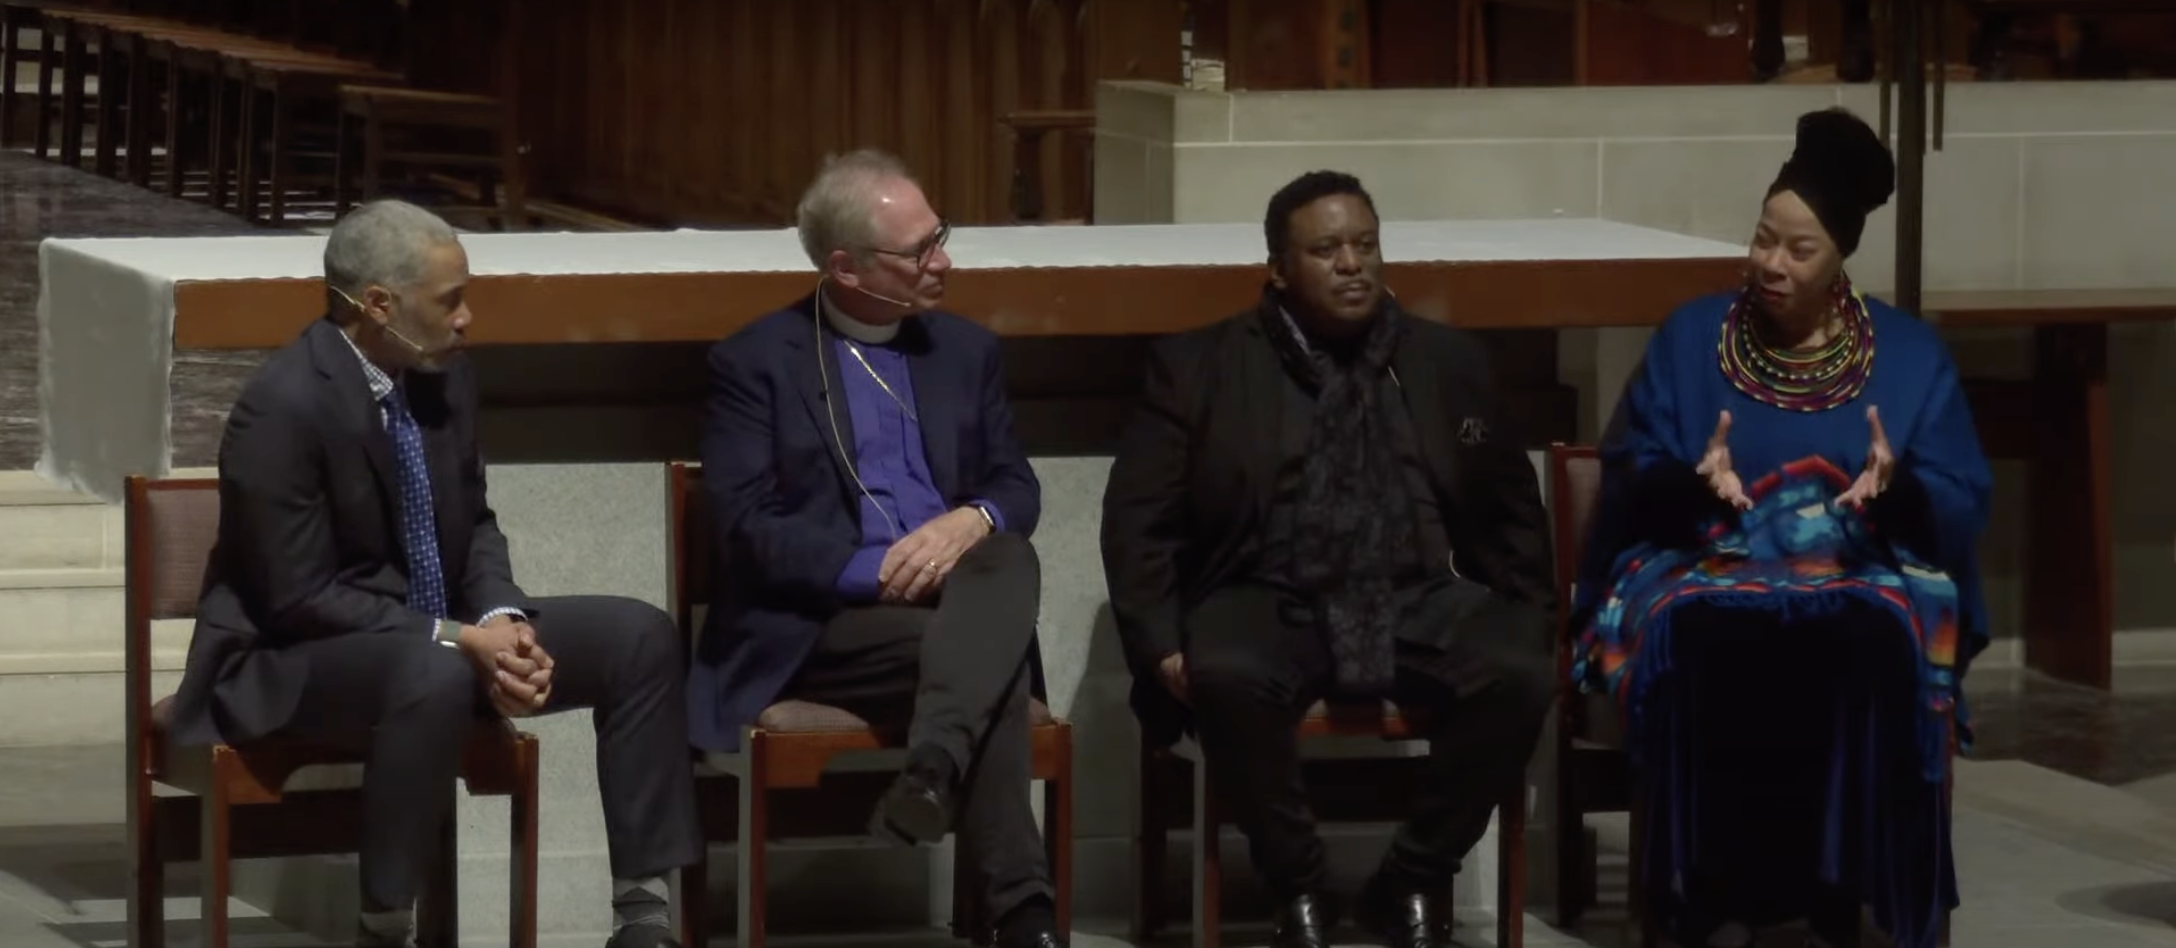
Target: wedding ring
{"x":932,"y":564}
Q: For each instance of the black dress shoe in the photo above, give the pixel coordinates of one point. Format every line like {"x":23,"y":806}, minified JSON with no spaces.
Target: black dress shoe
{"x":918,"y":807}
{"x":1400,"y":915}
{"x":642,"y":936}
{"x":1304,"y":922}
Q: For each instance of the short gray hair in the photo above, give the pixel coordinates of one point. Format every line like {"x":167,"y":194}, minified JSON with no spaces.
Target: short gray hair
{"x":382,"y":243}
{"x":837,"y":211}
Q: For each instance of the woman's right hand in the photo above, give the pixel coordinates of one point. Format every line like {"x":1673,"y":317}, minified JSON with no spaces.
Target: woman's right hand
{"x":1715,"y":466}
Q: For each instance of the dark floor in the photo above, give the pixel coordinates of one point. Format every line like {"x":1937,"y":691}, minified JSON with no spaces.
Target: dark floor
{"x":2115,"y":738}
{"x":40,"y":199}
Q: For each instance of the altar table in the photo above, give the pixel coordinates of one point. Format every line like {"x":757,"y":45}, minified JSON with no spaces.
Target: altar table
{"x":112,"y":312}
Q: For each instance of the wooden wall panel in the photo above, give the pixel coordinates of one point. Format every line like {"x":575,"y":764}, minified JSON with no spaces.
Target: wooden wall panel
{"x":1631,"y":45}
{"x":716,"y":112}
{"x":1416,"y":44}
{"x":1274,"y":45}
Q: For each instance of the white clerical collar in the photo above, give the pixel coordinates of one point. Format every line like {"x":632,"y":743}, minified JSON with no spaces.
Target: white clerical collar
{"x":861,"y":332}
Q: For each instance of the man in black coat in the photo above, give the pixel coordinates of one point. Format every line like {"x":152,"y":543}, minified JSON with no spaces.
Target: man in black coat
{"x":360,"y":593}
{"x":1319,"y":498}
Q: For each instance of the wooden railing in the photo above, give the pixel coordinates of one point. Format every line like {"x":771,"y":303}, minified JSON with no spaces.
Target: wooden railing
{"x":716,"y":112}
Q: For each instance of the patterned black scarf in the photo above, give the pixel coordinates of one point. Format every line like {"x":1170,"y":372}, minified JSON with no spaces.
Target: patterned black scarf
{"x":1354,"y":538}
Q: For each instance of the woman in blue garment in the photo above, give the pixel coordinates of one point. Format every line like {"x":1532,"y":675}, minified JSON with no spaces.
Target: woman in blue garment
{"x":1781,"y":589}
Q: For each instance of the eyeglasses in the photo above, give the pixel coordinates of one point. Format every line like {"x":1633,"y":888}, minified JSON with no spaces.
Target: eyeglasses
{"x":921,"y":253}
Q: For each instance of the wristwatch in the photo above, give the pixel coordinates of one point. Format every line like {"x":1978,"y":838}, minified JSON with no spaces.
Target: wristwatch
{"x":987,"y":520}
{"x":447,"y":634}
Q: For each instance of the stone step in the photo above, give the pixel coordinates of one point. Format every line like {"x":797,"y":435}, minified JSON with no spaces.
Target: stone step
{"x":43,"y":527}
{"x":61,"y":593}
{"x":62,"y":621}
{"x":52,"y":710}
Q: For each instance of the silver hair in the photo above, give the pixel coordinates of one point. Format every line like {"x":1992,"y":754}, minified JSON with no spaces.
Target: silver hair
{"x":838,"y":210}
{"x":383,"y":243}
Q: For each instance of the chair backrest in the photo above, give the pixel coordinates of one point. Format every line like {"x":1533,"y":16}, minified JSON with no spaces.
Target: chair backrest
{"x":691,"y":552}
{"x":169,"y":528}
{"x":1575,"y":485}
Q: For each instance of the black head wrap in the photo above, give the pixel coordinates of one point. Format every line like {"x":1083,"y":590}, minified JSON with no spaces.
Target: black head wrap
{"x":1841,"y":169}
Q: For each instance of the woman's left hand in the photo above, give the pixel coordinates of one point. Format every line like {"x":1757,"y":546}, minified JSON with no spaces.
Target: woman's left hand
{"x":1880,"y":465}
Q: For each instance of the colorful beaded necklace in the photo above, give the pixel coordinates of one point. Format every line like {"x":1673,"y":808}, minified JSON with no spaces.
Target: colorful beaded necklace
{"x":1795,"y":379}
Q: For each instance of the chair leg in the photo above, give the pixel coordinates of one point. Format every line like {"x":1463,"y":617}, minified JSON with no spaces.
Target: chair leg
{"x":438,"y":916}
{"x":1151,"y":829}
{"x":521,"y":895}
{"x":694,"y":902}
{"x":1568,"y":830}
{"x":1208,"y":862}
{"x":1637,"y":911}
{"x":1058,"y":830}
{"x":754,"y":833}
{"x":214,"y":851}
{"x":1511,"y":870}
{"x":970,"y":920}
{"x":147,"y":874}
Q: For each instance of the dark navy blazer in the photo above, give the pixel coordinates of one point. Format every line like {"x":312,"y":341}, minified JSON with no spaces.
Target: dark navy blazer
{"x":785,"y":508}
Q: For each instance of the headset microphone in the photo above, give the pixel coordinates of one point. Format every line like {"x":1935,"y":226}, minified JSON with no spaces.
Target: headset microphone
{"x":903,"y":304}
{"x":412,"y":344}
{"x":395,"y":333}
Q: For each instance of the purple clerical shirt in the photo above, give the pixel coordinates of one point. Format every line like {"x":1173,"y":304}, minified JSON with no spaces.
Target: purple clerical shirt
{"x":889,"y":456}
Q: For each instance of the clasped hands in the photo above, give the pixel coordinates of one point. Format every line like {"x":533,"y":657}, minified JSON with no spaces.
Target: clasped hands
{"x":517,"y":672}
{"x":1723,"y":479}
{"x":916,"y":566}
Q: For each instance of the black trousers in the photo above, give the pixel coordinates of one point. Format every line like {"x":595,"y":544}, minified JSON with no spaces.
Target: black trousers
{"x":406,"y":704}
{"x":958,"y":673}
{"x":1475,"y":672}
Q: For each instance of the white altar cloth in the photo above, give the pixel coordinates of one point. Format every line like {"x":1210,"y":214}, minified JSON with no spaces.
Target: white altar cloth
{"x":106,"y":306}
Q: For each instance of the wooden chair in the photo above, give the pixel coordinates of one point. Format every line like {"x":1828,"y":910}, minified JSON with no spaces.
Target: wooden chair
{"x":1345,"y":788}
{"x":1593,"y":770}
{"x":240,"y":805}
{"x":807,"y":769}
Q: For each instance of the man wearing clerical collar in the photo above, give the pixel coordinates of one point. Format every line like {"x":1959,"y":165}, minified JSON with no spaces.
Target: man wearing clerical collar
{"x":858,"y":451}
{"x":1320,"y":499}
